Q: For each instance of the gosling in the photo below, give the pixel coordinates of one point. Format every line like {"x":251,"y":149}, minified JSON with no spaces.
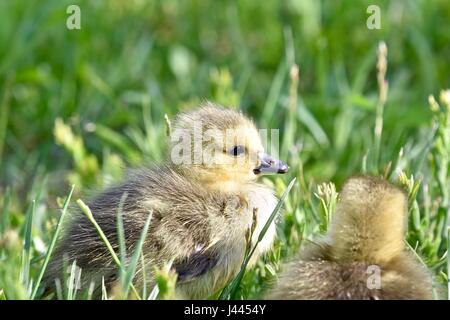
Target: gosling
{"x":363,"y":255}
{"x":202,"y":200}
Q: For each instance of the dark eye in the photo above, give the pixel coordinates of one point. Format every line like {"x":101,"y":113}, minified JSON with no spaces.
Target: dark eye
{"x":236,"y":150}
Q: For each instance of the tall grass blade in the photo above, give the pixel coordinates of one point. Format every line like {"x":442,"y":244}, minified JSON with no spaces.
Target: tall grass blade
{"x":71,"y":286}
{"x":91,"y":290}
{"x":104,"y":291}
{"x":144,"y":277}
{"x":102,"y":235}
{"x":121,"y":238}
{"x":53,"y":243}
{"x":448,"y":263}
{"x":134,"y":261}
{"x":5,"y":212}
{"x":231,"y":288}
{"x":274,"y":93}
{"x":307,"y":118}
{"x":154,"y":294}
{"x":59,"y":291}
{"x":26,"y":252}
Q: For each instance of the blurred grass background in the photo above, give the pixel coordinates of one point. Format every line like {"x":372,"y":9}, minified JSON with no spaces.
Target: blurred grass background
{"x":78,"y":106}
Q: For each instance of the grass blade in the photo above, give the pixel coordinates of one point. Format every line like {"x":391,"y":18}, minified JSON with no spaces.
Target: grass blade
{"x":121,"y":238}
{"x":59,"y":291}
{"x":53,"y":243}
{"x":4,"y":114}
{"x":71,"y":288}
{"x":275,"y":211}
{"x":91,"y":290}
{"x":104,"y":292}
{"x":154,"y":294}
{"x":231,"y":288}
{"x":134,"y":261}
{"x":448,"y":263}
{"x":274,"y":92}
{"x":25,"y":271}
{"x":144,"y":279}
{"x":4,"y":218}
{"x":100,"y":232}
{"x":307,"y":118}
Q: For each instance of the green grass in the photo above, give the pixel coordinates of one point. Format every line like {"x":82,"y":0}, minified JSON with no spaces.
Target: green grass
{"x":77,"y":107}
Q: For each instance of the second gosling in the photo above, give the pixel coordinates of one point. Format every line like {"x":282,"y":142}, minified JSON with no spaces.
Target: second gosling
{"x":365,"y":241}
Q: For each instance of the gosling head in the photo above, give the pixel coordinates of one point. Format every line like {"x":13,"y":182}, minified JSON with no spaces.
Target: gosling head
{"x":370,"y":221}
{"x":219,"y":147}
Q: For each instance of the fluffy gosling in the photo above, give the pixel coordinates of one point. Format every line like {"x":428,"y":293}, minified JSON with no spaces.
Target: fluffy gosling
{"x":202,"y":199}
{"x":363,"y":255}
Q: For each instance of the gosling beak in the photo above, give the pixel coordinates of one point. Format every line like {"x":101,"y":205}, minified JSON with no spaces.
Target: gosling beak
{"x":270,"y":165}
